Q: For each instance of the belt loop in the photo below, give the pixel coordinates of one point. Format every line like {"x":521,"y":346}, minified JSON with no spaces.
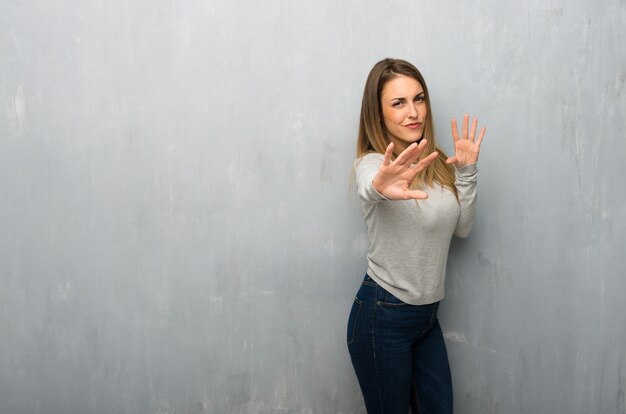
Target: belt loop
{"x":380,"y":293}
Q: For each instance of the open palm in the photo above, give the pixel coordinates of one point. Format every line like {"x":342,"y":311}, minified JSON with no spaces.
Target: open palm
{"x":394,"y":178}
{"x":466,"y":147}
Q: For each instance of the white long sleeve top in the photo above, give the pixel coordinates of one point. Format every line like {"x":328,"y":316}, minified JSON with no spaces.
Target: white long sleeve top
{"x":410,"y":239}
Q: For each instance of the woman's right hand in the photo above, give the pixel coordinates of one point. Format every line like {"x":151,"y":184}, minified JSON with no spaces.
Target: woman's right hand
{"x":394,"y":178}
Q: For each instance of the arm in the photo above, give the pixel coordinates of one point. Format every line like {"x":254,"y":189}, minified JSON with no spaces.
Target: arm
{"x":467,"y":148}
{"x":365,"y":169}
{"x":466,"y":191}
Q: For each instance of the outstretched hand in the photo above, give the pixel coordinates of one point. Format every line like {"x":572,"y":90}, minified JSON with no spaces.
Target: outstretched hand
{"x":466,"y":148}
{"x":394,"y":178}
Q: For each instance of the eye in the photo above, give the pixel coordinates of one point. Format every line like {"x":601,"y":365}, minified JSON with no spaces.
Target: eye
{"x":396,"y":104}
{"x":420,"y":98}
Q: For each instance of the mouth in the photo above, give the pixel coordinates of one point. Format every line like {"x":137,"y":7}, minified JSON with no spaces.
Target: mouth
{"x":414,"y":125}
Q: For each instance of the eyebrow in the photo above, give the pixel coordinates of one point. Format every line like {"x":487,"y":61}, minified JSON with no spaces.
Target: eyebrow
{"x":401,"y":99}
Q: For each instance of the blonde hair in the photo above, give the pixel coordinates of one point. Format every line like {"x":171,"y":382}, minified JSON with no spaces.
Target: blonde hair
{"x":372,"y":135}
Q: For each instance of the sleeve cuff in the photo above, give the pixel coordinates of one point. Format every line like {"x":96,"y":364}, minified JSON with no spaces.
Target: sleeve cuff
{"x":466,"y":171}
{"x":376,"y":194}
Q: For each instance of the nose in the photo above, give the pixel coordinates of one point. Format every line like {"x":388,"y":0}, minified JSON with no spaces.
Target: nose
{"x":413,"y":113}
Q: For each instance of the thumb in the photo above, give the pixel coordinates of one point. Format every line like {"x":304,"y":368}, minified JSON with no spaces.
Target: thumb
{"x":416,"y":194}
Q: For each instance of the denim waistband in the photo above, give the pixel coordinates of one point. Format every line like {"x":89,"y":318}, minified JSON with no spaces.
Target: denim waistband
{"x":373,"y":290}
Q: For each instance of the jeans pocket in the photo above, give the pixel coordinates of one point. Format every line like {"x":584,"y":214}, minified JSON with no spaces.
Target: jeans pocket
{"x":391,"y":301}
{"x":355,"y":312}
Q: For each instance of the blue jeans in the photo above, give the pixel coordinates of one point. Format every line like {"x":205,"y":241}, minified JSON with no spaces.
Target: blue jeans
{"x":398,"y":354}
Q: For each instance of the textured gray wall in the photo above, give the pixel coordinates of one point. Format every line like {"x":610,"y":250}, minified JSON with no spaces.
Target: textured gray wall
{"x":177,"y":234}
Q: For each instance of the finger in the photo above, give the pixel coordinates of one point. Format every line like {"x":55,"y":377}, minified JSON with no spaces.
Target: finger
{"x":422,"y":144}
{"x":452,"y":160}
{"x":406,"y":155}
{"x":481,"y":134}
{"x":388,"y":152}
{"x":455,"y":130}
{"x":425,"y":162}
{"x":465,"y":123}
{"x":473,"y":130}
{"x":419,"y":150}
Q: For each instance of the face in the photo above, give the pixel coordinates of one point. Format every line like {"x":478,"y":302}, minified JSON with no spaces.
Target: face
{"x":404,"y":111}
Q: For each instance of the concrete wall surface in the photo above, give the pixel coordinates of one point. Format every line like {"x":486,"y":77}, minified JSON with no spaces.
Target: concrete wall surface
{"x":177,"y":228}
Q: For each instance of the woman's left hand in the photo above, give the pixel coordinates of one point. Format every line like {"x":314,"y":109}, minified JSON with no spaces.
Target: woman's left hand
{"x":466,"y":148}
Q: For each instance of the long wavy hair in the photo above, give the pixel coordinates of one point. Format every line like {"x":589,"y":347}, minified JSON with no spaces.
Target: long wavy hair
{"x":373,"y":136}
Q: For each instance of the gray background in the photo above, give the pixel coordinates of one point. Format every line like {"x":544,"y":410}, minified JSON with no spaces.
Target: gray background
{"x":177,"y":231}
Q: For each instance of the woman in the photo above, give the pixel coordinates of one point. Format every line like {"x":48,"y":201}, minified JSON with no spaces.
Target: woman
{"x":414,"y":198}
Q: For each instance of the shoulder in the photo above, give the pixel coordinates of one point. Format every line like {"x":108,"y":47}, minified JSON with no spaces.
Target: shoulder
{"x":369,"y":159}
